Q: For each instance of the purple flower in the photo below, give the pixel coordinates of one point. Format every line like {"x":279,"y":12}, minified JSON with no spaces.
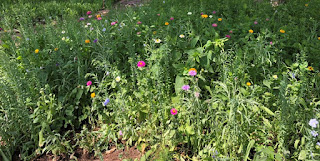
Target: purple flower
{"x":105,"y":103}
{"x":171,"y":18}
{"x":318,"y":143}
{"x":95,"y":40}
{"x":104,"y":29}
{"x":120,"y":133}
{"x":313,"y":123}
{"x":255,"y":22}
{"x":314,"y":133}
{"x":57,"y":64}
{"x":214,"y":12}
{"x":228,"y":36}
{"x":185,"y":87}
{"x":81,"y":18}
{"x":214,"y":25}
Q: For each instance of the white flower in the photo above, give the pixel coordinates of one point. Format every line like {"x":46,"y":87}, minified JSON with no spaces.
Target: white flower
{"x":189,"y":13}
{"x":210,"y":16}
{"x":63,"y":32}
{"x":118,"y":79}
{"x":64,"y":38}
{"x":275,"y":76}
{"x":85,"y":26}
{"x":313,"y":123}
{"x":88,"y":24}
{"x":157,"y":41}
{"x":181,"y":36}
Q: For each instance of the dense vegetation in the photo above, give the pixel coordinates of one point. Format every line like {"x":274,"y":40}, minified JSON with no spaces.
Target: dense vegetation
{"x":184,"y":80}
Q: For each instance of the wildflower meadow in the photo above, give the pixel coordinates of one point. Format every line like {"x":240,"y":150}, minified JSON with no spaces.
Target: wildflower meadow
{"x":211,"y":80}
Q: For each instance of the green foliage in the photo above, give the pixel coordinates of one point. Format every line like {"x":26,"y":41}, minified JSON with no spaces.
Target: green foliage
{"x":251,"y":98}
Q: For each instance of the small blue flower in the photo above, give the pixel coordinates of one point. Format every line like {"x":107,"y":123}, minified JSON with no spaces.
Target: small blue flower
{"x":313,"y":123}
{"x":314,"y":133}
{"x":104,"y":29}
{"x":105,"y":103}
{"x":318,"y":143}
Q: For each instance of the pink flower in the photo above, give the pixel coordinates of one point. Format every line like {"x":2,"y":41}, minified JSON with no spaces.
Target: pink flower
{"x":138,"y":33}
{"x":120,"y":133}
{"x":173,"y":111}
{"x":99,"y":18}
{"x":196,"y":94}
{"x":214,"y":25}
{"x":267,"y":19}
{"x":89,"y":83}
{"x":228,"y":36}
{"x":158,"y":14}
{"x":141,"y":64}
{"x":90,"y":16}
{"x":201,"y":13}
{"x":255,"y":22}
{"x":185,"y":87}
{"x":230,"y":31}
{"x":271,"y":42}
{"x":139,"y":22}
{"x":171,"y":18}
{"x":113,"y":23}
{"x":89,"y":12}
{"x":214,"y":12}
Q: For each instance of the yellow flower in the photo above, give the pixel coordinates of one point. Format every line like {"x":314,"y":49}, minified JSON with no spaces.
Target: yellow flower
{"x":118,"y":79}
{"x":87,"y":41}
{"x":282,"y":31}
{"x":310,"y":68}
{"x":55,"y":49}
{"x":181,"y":36}
{"x":36,"y":51}
{"x":167,"y":23}
{"x":251,"y":31}
{"x":318,"y":38}
{"x":248,"y":84}
{"x":98,"y":16}
{"x":154,"y":32}
{"x":219,"y":19}
{"x":157,"y":41}
{"x":275,"y":76}
{"x":306,"y":5}
{"x":93,"y":95}
{"x":204,"y":16}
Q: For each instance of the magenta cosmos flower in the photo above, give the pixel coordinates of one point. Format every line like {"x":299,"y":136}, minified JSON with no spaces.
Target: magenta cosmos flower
{"x":139,"y":22}
{"x":173,"y":111}
{"x":141,"y":64}
{"x":89,"y":83}
{"x":185,"y":87}
{"x":113,"y":23}
{"x":89,"y":12}
{"x":228,"y":36}
{"x":214,"y":25}
{"x":214,"y":12}
{"x":171,"y":18}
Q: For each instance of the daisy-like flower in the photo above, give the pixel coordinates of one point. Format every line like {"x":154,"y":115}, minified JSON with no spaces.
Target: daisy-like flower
{"x":36,"y":51}
{"x":99,"y":18}
{"x":282,"y":31}
{"x":118,"y":79}
{"x":255,"y":22}
{"x":157,"y":41}
{"x":181,"y":36}
{"x":204,"y":16}
{"x":113,"y":23}
{"x":93,"y":95}
{"x":313,"y":123}
{"x":56,"y":49}
{"x":64,"y":38}
{"x":185,"y":87}
{"x":214,"y":25}
{"x":105,"y":103}
{"x":189,"y":13}
{"x":318,"y":143}
{"x":250,"y":31}
{"x":63,"y":32}
{"x":90,"y":16}
{"x":275,"y":77}
{"x":192,"y":72}
{"x":228,"y":36}
{"x":210,"y":16}
{"x":314,"y":133}
{"x":104,"y":29}
{"x":89,"y":83}
{"x":141,"y":64}
{"x":197,"y":94}
{"x":310,"y":68}
{"x":271,"y":42}
{"x":89,"y":12}
{"x":81,"y":18}
{"x":219,"y":19}
{"x":173,"y":111}
{"x":87,"y":41}
{"x":171,"y":18}
{"x":214,"y":12}
{"x":95,"y":40}
{"x":248,"y":84}
{"x":166,"y":23}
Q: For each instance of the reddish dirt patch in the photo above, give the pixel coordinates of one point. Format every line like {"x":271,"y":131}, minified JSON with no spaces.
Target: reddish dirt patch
{"x":82,"y":155}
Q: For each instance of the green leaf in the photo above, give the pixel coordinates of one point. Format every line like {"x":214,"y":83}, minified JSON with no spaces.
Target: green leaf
{"x":250,"y":145}
{"x":302,"y":155}
{"x":194,"y":41}
{"x":189,"y":130}
{"x":267,"y":83}
{"x":179,"y":83}
{"x":267,"y":110}
{"x":296,"y":143}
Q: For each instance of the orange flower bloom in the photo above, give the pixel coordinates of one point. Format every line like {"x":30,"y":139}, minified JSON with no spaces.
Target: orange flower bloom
{"x":251,"y":31}
{"x":248,"y":84}
{"x":282,"y":31}
{"x":204,"y":16}
{"x":87,"y":41}
{"x":219,"y":19}
{"x":93,"y":95}
{"x":167,"y":23}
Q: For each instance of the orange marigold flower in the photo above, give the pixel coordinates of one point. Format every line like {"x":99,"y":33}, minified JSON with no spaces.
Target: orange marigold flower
{"x":248,"y":84}
{"x":219,"y":19}
{"x":204,"y":16}
{"x":167,"y":23}
{"x":93,"y":95}
{"x":36,"y":51}
{"x":282,"y":31}
{"x":87,"y":41}
{"x":251,"y":31}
